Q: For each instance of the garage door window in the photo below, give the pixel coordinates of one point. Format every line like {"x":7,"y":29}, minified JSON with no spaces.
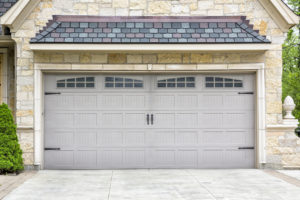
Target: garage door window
{"x":123,"y":82}
{"x":222,"y":82}
{"x":76,"y":82}
{"x":177,"y":82}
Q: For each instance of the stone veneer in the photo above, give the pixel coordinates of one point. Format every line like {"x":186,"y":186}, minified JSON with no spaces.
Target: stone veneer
{"x":252,"y":9}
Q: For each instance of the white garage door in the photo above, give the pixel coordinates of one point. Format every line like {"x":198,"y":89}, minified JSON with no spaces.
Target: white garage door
{"x":149,"y":121}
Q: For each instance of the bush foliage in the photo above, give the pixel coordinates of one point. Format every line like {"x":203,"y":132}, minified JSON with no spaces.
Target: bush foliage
{"x":10,"y":152}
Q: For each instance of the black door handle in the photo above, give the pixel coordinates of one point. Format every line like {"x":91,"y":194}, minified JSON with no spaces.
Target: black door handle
{"x":152,"y":119}
{"x":148,"y":119}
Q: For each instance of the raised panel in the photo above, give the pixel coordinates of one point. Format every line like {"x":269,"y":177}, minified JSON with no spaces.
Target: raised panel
{"x":133,"y":120}
{"x":186,"y":137}
{"x":86,"y":120}
{"x":86,"y":138}
{"x":161,"y":138}
{"x":164,"y":120}
{"x":187,"y":101}
{"x":112,"y":120}
{"x":110,"y":138}
{"x":112,"y":101}
{"x":186,"y":120}
{"x":164,"y":157}
{"x":135,"y":101}
{"x":84,"y":101}
{"x":59,"y":159}
{"x":135,"y":158}
{"x":187,"y":158}
{"x":134,"y":138}
{"x":59,"y":120}
{"x":212,"y":101}
{"x":57,"y":138}
{"x":86,"y":159}
{"x":110,"y":158}
{"x":57,"y":102}
{"x":164,"y":101}
{"x":212,"y":120}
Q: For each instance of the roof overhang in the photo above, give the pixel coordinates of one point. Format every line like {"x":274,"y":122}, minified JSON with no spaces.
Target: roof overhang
{"x":283,"y":16}
{"x":152,"y":47}
{"x":18,"y":13}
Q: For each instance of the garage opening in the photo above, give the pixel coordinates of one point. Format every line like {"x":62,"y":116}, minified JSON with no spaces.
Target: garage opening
{"x":122,"y":121}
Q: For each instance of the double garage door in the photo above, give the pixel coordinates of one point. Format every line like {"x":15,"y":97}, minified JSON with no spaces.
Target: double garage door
{"x":120,"y":121}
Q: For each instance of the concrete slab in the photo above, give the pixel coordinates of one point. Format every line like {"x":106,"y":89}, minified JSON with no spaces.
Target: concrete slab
{"x":156,"y":184}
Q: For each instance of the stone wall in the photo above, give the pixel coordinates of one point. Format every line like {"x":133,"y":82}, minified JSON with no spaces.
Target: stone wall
{"x":283,"y":148}
{"x":252,"y":9}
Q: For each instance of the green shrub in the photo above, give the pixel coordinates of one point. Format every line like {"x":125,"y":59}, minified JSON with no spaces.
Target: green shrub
{"x":10,"y":152}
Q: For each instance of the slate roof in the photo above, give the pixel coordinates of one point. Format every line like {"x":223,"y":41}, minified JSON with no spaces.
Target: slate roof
{"x":5,"y":5}
{"x":147,"y":30}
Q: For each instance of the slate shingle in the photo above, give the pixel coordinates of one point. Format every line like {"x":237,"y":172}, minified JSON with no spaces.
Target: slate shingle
{"x":148,"y":30}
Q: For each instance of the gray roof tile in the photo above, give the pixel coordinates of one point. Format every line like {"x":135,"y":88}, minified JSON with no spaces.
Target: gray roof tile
{"x":148,"y":30}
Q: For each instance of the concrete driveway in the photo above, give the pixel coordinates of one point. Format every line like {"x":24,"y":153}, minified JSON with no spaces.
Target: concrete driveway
{"x":156,"y":185}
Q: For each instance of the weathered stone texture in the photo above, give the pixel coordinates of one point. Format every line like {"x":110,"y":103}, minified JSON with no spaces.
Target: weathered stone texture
{"x":284,"y":145}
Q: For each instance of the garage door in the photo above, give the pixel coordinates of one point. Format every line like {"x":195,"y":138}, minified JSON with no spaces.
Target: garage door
{"x":149,"y":121}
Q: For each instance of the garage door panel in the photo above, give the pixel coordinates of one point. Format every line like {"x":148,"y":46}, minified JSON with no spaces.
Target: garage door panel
{"x":161,"y":138}
{"x":135,"y":158}
{"x":243,"y":158}
{"x":238,"y":102}
{"x":111,"y":120}
{"x":163,"y":101}
{"x":59,"y":138}
{"x":163,"y":120}
{"x":108,"y":137}
{"x":135,"y":138}
{"x":135,"y":120}
{"x":187,"y":158}
{"x":238,"y":120}
{"x":86,"y":138}
{"x":59,"y":120}
{"x":84,"y":101}
{"x":212,"y":158}
{"x":135,"y":101}
{"x":189,"y":125}
{"x":211,"y":101}
{"x":114,"y":101}
{"x":186,"y":120}
{"x":163,"y":157}
{"x":59,"y":159}
{"x":211,"y":120}
{"x":110,"y":158}
{"x":185,"y":137}
{"x":56,"y":102}
{"x":86,"y":120}
{"x":187,"y":101}
{"x":85,"y":159}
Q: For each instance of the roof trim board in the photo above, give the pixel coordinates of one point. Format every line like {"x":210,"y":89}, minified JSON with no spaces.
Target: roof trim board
{"x":153,"y":47}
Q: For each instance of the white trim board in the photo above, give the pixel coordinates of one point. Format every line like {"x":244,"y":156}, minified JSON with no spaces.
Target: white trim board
{"x":241,"y":68}
{"x":152,"y":47}
{"x":4,"y":75}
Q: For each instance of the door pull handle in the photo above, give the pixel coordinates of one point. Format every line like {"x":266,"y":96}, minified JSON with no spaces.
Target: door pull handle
{"x":148,"y":117}
{"x":152,"y":119}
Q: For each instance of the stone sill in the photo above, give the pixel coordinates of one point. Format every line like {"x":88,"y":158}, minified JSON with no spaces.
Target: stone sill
{"x":282,"y":127}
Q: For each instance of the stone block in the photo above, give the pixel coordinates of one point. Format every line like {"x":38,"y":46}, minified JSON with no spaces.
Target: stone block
{"x":149,"y":59}
{"x":159,"y":7}
{"x":120,"y":3}
{"x":99,"y":58}
{"x":201,"y":58}
{"x":169,"y":58}
{"x":117,"y":58}
{"x":138,"y":4}
{"x":85,"y":58}
{"x":135,"y":58}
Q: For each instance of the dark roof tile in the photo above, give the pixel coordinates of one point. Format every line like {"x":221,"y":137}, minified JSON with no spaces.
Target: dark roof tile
{"x":87,"y":29}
